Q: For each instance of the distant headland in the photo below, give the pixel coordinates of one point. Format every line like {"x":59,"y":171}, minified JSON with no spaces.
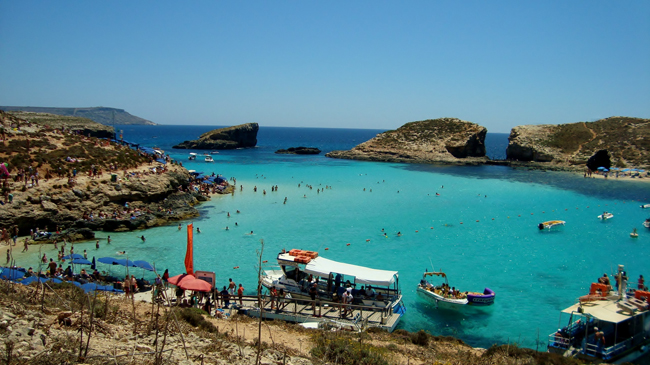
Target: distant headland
{"x":102,"y":115}
{"x":239,"y":136}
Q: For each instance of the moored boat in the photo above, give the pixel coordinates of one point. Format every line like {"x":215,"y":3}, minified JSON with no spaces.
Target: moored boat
{"x":646,"y":224}
{"x":192,"y":156}
{"x":606,"y":216}
{"x":447,"y":297}
{"x":605,"y":326}
{"x":550,"y":224}
{"x":369,"y":287}
{"x":645,"y":206}
{"x":209,"y":159}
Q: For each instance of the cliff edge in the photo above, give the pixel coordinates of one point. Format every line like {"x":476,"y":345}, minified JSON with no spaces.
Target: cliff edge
{"x":444,"y":140}
{"x":239,"y":136}
{"x":625,"y":140}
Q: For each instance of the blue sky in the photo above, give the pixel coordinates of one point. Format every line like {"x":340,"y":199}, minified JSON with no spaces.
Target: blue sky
{"x":349,"y":64}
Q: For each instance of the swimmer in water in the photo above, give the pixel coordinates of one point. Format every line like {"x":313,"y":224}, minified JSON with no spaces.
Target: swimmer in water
{"x":198,"y":230}
{"x":179,"y":226}
{"x":142,"y":238}
{"x":121,"y":252}
{"x":399,"y":234}
{"x":227,"y":229}
{"x":250,"y":234}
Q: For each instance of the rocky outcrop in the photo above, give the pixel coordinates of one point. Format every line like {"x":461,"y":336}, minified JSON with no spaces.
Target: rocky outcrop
{"x":52,"y":205}
{"x":445,"y":140}
{"x":83,"y":126}
{"x":299,"y":151}
{"x":239,"y":136}
{"x":617,"y":141}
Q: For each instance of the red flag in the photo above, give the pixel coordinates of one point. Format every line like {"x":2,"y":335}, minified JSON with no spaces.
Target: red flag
{"x":189,"y":254}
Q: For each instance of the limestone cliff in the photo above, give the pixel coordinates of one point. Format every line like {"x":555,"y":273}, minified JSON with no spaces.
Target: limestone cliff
{"x":625,"y":140}
{"x":243,"y":135}
{"x":444,"y":140}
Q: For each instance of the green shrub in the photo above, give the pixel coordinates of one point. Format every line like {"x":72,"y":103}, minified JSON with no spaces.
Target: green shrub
{"x":420,"y":338}
{"x":344,"y":350}
{"x":194,"y":317}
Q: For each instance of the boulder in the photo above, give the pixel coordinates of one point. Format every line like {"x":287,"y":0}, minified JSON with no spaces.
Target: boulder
{"x":300,"y":151}
{"x":444,"y":140}
{"x":239,"y":136}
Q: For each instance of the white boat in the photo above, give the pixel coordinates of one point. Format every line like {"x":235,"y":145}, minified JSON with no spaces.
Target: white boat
{"x":214,"y":152}
{"x":645,"y":206}
{"x":646,"y":224}
{"x":209,"y":159}
{"x":192,"y":156}
{"x":622,"y":321}
{"x":443,"y":297}
{"x":371,"y":287}
{"x":606,"y":216}
{"x":550,"y":224}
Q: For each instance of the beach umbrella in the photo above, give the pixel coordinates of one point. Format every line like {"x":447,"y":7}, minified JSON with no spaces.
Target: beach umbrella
{"x":73,"y":256}
{"x":641,"y":170}
{"x":614,"y":168}
{"x":126,"y":262}
{"x":634,"y":170}
{"x":605,"y":170}
{"x":81,"y":261}
{"x":11,"y":274}
{"x":602,"y":168}
{"x":32,"y":279}
{"x":625,"y":170}
{"x":108,"y":260}
{"x":195,"y":285}
{"x":93,"y":265}
{"x":174,"y":280}
{"x":88,"y":287}
{"x":143,"y":265}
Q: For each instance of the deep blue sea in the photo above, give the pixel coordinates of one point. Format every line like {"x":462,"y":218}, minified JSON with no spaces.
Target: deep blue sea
{"x":481,"y":230}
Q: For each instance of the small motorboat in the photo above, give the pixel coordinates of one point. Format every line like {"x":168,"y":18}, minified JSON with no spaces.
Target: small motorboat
{"x":645,"y":206}
{"x":646,"y":224}
{"x":606,"y":216}
{"x":550,"y":224}
{"x":209,"y":159}
{"x":444,"y":297}
{"x":214,"y":152}
{"x":192,"y":156}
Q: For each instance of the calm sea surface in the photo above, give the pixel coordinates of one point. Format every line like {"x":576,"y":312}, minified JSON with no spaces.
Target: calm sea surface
{"x":481,"y":230}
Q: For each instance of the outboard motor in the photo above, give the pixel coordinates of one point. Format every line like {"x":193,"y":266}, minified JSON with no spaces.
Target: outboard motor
{"x":540,"y":226}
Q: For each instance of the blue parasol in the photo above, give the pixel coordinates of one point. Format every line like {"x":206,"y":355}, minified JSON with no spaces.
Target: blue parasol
{"x":11,"y":274}
{"x":601,"y":168}
{"x":625,"y":170}
{"x":143,"y":265}
{"x":81,"y":261}
{"x":73,"y":256}
{"x":125,"y":262}
{"x":108,"y":260}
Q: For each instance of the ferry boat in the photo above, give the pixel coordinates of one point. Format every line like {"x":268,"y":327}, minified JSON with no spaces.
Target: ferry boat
{"x":606,"y":216}
{"x":440,"y":296}
{"x":550,"y":224}
{"x":369,"y":287}
{"x":192,"y":156}
{"x":605,"y":326}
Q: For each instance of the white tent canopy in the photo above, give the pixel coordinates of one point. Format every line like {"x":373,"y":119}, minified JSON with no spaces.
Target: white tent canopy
{"x":323,"y":267}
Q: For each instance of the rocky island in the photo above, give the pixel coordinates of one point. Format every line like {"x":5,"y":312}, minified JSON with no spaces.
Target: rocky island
{"x":444,"y":140}
{"x":239,"y":136}
{"x":610,"y":142}
{"x":299,"y":151}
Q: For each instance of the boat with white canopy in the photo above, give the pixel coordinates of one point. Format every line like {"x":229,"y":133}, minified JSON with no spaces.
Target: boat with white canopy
{"x":298,"y":270}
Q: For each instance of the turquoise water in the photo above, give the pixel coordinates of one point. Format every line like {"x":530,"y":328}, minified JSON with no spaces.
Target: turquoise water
{"x":481,"y":230}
